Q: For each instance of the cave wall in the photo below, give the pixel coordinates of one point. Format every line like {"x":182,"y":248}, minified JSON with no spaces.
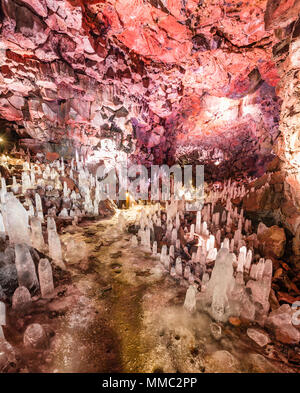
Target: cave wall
{"x":161,"y":78}
{"x":283,"y":18}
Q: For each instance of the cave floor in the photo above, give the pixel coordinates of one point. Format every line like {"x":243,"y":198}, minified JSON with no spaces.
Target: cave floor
{"x":121,"y":312}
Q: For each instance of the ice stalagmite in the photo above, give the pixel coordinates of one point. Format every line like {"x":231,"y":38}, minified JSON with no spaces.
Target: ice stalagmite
{"x":15,"y":187}
{"x":178,"y":266}
{"x":25,"y":267}
{"x":3,"y":187}
{"x":192,"y":232}
{"x":147,"y":239}
{"x":198,"y":222}
{"x":154,"y":248}
{"x":241,"y":259}
{"x":55,"y":251}
{"x":248,"y":261}
{"x":16,"y":220}
{"x":66,"y":191}
{"x":2,"y":314}
{"x":215,"y":297}
{"x":21,"y":299}
{"x":2,"y":228}
{"x":39,"y":207}
{"x":167,"y":262}
{"x":174,"y":236}
{"x":51,"y":223}
{"x":177,"y":224}
{"x":172,"y":251}
{"x":187,"y":272}
{"x":164,"y":251}
{"x":190,"y":299}
{"x":64,"y":213}
{"x":37,"y":234}
{"x":260,"y":289}
{"x":26,"y":183}
{"x":212,"y":254}
{"x":46,"y":278}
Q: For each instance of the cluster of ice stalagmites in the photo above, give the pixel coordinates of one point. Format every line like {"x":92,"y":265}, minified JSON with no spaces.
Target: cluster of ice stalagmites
{"x":31,"y":202}
{"x":242,"y":295}
{"x":57,"y":189}
{"x":43,"y":192}
{"x":197,"y":243}
{"x":214,"y":251}
{"x":31,"y":280}
{"x":34,"y":281}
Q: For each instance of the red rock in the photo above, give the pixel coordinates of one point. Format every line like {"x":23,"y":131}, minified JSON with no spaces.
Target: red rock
{"x":278,"y":273}
{"x":272,"y":241}
{"x":288,"y":208}
{"x":280,"y":321}
{"x":296,"y":242}
{"x":4,"y":172}
{"x":277,"y":178}
{"x":285,"y":297}
{"x":274,"y":165}
{"x":52,"y":156}
{"x":284,"y":265}
{"x":234,"y":321}
{"x":70,"y":183}
{"x":281,"y":13}
{"x":254,"y":201}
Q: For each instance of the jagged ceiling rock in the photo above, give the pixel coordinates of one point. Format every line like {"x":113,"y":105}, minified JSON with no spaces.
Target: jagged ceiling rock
{"x":160,"y":77}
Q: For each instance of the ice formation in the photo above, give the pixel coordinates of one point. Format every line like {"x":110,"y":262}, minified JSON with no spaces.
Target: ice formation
{"x":15,"y":220}
{"x":45,"y":278}
{"x":21,"y":299}
{"x":25,"y":267}
{"x":190,"y":299}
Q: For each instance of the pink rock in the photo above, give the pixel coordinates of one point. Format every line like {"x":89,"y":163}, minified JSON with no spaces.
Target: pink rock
{"x":280,"y":321}
{"x":38,"y":6}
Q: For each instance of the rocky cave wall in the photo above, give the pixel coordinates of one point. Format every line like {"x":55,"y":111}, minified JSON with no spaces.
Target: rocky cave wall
{"x":283,"y":18}
{"x":165,"y":79}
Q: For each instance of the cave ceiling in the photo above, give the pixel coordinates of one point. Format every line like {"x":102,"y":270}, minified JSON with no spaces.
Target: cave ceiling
{"x":166,"y":80}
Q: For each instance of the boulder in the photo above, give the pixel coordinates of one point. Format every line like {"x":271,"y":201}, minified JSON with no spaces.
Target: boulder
{"x":260,"y":337}
{"x":52,"y":156}
{"x":35,"y":337}
{"x":281,"y":322}
{"x":272,"y":241}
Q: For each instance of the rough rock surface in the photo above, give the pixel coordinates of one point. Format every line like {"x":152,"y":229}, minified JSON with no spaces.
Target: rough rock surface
{"x":35,"y":336}
{"x":283,"y":17}
{"x":162,"y":79}
{"x":273,"y":241}
{"x":261,"y":338}
{"x":281,"y":322}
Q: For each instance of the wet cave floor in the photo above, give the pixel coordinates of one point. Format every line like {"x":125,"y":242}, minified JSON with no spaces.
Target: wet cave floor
{"x":122,"y":312}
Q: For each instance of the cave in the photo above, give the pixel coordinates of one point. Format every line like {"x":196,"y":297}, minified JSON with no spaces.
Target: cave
{"x":150,"y":186}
